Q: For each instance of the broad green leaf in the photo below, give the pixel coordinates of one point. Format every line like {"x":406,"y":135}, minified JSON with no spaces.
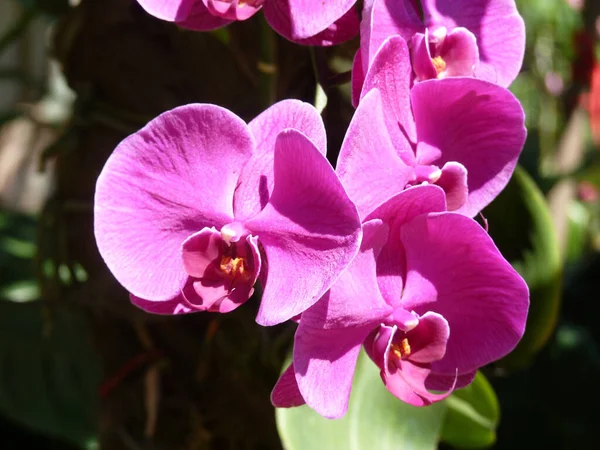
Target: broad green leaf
{"x":48,"y":372}
{"x":375,"y":420}
{"x":520,"y":224}
{"x":472,"y":417}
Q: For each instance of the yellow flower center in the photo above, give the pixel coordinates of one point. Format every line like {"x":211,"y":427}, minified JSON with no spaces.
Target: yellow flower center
{"x":401,"y":350}
{"x":439,"y":64}
{"x":234,"y":268}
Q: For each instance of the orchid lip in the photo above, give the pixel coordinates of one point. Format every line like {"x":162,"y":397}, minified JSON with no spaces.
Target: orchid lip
{"x":221,"y":265}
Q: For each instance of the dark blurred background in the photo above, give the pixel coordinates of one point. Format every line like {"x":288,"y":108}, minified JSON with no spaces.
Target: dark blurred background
{"x":80,"y":368}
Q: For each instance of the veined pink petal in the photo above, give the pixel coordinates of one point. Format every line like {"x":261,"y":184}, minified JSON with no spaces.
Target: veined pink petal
{"x":256,"y":182}
{"x":385,"y":18}
{"x":498,"y":27}
{"x":200,"y":250}
{"x":302,"y":19}
{"x":404,"y":378}
{"x":233,"y":9}
{"x":354,"y":300}
{"x":391,"y":73}
{"x":454,"y":269}
{"x":191,"y":14}
{"x":170,"y":10}
{"x":460,"y":53}
{"x":286,"y":394}
{"x":222,"y":272}
{"x":428,"y":339}
{"x":369,"y":164}
{"x":473,"y":122}
{"x":342,"y":30}
{"x":395,"y":213}
{"x":331,"y":332}
{"x":358,"y":78}
{"x":294,"y":114}
{"x":325,"y":361}
{"x":454,"y":182}
{"x":409,"y":384}
{"x":310,"y":230}
{"x":421,"y":57}
{"x":444,"y":383}
{"x":172,"y":178}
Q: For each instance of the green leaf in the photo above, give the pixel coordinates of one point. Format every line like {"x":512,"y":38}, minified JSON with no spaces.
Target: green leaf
{"x":17,"y":250}
{"x":320,"y":98}
{"x":48,"y":372}
{"x":521,"y":227}
{"x":473,"y":415}
{"x":375,"y":419}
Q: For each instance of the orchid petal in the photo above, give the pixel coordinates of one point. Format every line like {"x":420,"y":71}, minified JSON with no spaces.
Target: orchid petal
{"x":444,"y":383}
{"x":421,"y":58}
{"x":200,"y":250}
{"x":331,"y":332}
{"x":403,"y":378}
{"x":396,"y":212}
{"x":191,"y":14}
{"x":497,"y":26}
{"x":460,"y":53}
{"x":391,"y":73}
{"x":302,"y":19}
{"x":385,"y":18}
{"x":357,"y":78}
{"x":342,"y":30}
{"x":286,"y":394}
{"x":369,"y":165}
{"x":454,"y":182}
{"x":408,"y":383}
{"x":208,"y":288}
{"x":310,"y":230}
{"x":476,"y":123}
{"x":354,"y":300}
{"x":231,"y":10}
{"x":256,"y":181}
{"x":172,"y":178}
{"x":428,"y":339}
{"x":325,"y":362}
{"x":454,"y":269}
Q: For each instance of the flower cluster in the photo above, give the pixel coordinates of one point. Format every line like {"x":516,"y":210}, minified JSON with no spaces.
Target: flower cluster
{"x":382,"y":253}
{"x":308,"y":22}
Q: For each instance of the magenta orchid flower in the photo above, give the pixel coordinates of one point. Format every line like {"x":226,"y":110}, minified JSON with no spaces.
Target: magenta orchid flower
{"x":430,"y":298}
{"x":191,"y":210}
{"x":308,"y":22}
{"x":463,"y":134}
{"x":480,"y":38}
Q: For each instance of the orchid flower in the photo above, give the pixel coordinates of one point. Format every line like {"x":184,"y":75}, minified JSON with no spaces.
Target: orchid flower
{"x":191,"y":210}
{"x":430,"y":298}
{"x":480,"y":38}
{"x":309,"y":22}
{"x":462,"y":134}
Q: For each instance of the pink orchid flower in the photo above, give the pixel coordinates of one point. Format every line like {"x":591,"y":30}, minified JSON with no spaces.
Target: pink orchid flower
{"x":308,"y":22}
{"x":192,"y":209}
{"x":480,"y":38}
{"x":430,"y":298}
{"x":463,"y":134}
